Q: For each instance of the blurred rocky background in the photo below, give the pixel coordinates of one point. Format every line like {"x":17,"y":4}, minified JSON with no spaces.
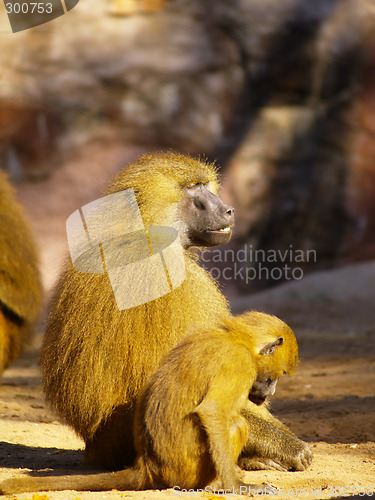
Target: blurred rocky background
{"x":281,"y":94}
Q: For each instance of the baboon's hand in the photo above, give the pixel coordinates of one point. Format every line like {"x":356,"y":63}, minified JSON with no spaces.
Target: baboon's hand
{"x":301,"y":460}
{"x":276,"y":447}
{"x":294,"y":458}
{"x":259,"y":463}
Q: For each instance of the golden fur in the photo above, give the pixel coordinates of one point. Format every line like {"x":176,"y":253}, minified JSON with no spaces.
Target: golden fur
{"x":20,"y":281}
{"x":95,"y":358}
{"x":189,"y":428}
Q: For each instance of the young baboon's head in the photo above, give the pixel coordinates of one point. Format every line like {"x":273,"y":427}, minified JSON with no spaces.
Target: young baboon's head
{"x":275,"y":351}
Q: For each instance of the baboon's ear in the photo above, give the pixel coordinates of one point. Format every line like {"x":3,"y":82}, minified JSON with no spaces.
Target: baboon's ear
{"x":271,"y":347}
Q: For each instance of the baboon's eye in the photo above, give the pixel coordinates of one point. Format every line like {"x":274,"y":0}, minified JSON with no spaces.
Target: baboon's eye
{"x":194,"y":184}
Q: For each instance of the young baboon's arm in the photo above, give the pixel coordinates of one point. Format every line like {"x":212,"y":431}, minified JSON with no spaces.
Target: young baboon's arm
{"x":216,"y":425}
{"x":271,"y":445}
{"x":215,"y":413}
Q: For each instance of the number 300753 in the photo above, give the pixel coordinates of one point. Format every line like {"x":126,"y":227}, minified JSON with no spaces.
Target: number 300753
{"x":28,"y":8}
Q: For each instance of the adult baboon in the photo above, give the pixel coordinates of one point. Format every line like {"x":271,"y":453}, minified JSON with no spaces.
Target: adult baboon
{"x":189,"y":428}
{"x":20,"y":282}
{"x":96,"y":359}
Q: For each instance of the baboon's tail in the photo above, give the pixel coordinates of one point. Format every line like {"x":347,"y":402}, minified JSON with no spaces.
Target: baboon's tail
{"x":127,"y":479}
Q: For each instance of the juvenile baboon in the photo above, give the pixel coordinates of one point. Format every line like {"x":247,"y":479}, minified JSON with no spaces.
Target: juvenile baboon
{"x":20,"y":283}
{"x":96,"y":359}
{"x":189,"y":428}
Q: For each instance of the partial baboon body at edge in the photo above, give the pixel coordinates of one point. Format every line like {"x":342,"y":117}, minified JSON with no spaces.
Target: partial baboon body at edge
{"x":189,"y":426}
{"x":96,"y":359}
{"x":20,"y":283}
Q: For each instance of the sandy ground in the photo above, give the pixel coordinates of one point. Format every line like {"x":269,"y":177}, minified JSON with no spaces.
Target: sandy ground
{"x":330,"y":402}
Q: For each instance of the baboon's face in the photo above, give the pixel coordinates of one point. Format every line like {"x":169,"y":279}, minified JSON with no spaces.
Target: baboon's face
{"x":207,"y":221}
{"x":261,"y":389}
